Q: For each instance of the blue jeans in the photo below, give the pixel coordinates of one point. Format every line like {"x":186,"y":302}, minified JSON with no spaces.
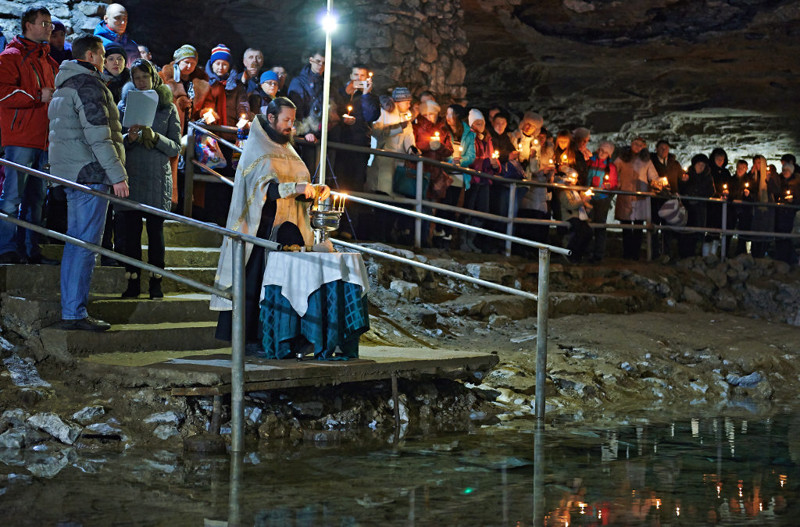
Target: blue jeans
{"x":86,"y":218}
{"x":23,"y":197}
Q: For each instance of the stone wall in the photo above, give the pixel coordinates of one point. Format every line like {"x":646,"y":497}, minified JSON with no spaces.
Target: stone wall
{"x":418,"y":43}
{"x":77,"y":15}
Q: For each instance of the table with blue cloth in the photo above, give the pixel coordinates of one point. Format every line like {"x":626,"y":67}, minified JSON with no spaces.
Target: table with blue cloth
{"x":314,"y":301}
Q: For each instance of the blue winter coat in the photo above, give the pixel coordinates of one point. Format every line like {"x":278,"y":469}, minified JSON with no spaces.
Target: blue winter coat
{"x":108,"y":36}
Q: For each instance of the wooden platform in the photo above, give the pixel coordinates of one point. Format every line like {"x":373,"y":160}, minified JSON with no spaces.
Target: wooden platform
{"x":207,"y":373}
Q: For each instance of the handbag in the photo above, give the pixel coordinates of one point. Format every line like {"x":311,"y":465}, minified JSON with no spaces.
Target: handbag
{"x":404,"y":181}
{"x":673,"y":213}
{"x":208,"y":152}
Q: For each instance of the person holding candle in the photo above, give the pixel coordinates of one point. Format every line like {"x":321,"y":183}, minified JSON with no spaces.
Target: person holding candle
{"x":463,"y":140}
{"x":525,"y":140}
{"x":722,"y":181}
{"x":742,"y":213}
{"x":477,"y":196}
{"x":636,"y":173}
{"x":272,"y":187}
{"x":767,"y":189}
{"x":575,"y":209}
{"x":670,"y":171}
{"x":225,"y":86}
{"x":696,"y":182}
{"x":784,"y":216}
{"x":190,"y":88}
{"x":433,"y":141}
{"x":362,"y":108}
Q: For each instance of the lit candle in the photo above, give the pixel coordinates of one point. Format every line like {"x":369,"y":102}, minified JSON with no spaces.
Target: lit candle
{"x":563,"y":158}
{"x":607,"y":177}
{"x":408,"y":116}
{"x":208,"y":116}
{"x":536,"y":141}
{"x":460,"y":149}
{"x":242,"y":121}
{"x":725,"y":186}
{"x":552,"y":161}
{"x":349,"y":109}
{"x":747,"y":185}
{"x":495,"y":154}
{"x":589,"y":193}
{"x":344,"y":198}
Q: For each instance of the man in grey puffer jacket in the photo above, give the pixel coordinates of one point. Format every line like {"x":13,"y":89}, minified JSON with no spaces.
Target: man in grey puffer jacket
{"x":85,"y":147}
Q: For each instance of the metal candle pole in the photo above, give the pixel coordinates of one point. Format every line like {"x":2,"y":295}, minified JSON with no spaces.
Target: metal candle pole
{"x":328,"y":24}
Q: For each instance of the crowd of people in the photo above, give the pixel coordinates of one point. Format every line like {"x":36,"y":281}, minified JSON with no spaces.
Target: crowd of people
{"x":41,"y":61}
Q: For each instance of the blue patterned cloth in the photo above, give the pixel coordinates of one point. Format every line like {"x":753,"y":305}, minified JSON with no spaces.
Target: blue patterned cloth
{"x":337,"y":316}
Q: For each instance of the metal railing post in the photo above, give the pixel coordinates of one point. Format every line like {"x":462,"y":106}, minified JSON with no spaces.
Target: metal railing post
{"x":542,"y":304}
{"x":723,"y":236}
{"x":237,"y":349}
{"x":418,"y":207}
{"x":188,"y":175}
{"x":512,"y":198}
{"x":650,"y":230}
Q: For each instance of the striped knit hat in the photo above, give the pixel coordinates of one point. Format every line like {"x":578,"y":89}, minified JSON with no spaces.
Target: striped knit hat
{"x":221,"y":52}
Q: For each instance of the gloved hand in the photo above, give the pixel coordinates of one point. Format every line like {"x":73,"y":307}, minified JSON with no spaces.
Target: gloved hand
{"x":149,"y":137}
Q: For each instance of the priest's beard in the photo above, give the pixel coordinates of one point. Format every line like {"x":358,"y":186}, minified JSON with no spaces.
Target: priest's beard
{"x":273,"y":134}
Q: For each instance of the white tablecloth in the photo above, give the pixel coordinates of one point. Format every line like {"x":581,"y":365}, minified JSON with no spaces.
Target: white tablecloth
{"x":300,"y":274}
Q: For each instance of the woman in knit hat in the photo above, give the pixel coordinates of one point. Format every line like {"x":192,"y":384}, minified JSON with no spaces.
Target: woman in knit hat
{"x":190,"y":89}
{"x":486,"y":161}
{"x":227,"y":97}
{"x":116,"y":68}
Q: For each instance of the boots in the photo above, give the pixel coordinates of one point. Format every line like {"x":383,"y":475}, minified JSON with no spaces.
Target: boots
{"x":134,"y":286}
{"x":155,"y":288}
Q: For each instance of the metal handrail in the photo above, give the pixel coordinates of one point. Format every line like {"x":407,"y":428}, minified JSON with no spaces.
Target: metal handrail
{"x":510,"y":218}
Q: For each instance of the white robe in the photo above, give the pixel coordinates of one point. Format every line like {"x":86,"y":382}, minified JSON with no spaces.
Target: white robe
{"x":263,"y":161}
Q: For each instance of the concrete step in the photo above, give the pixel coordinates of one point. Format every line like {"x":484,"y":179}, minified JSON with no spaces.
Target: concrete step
{"x":43,"y":281}
{"x":180,"y":235}
{"x":26,"y":316}
{"x":173,"y":256}
{"x":130,"y":338}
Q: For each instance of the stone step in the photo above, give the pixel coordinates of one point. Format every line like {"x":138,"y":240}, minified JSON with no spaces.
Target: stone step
{"x":26,"y":316}
{"x":180,"y":235}
{"x":43,"y":281}
{"x":173,"y":256}
{"x":128,"y":338}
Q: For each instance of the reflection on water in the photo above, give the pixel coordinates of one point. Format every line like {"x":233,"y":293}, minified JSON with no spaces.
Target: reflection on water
{"x":701,"y":471}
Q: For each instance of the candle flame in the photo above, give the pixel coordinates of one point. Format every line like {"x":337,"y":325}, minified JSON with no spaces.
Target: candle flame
{"x":589,"y":193}
{"x":349,"y":109}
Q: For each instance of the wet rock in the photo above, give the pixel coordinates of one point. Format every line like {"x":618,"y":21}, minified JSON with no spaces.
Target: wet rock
{"x":511,"y":378}
{"x":88,"y":414}
{"x":491,"y":272}
{"x":252,"y":414}
{"x":13,"y":439}
{"x":102,"y":431}
{"x":405,"y":289}
{"x":205,"y":444}
{"x":48,"y":465}
{"x":13,"y":418}
{"x":169,"y":417}
{"x":279,"y":427}
{"x":52,"y":424}
{"x":23,"y":372}
{"x":745,"y":381}
{"x":309,"y":408}
{"x":165,"y":431}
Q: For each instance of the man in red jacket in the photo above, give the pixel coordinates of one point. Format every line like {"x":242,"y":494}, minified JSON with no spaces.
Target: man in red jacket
{"x":27,"y":81}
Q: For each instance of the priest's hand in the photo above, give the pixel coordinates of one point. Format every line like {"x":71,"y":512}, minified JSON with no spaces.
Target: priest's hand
{"x":324,"y":192}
